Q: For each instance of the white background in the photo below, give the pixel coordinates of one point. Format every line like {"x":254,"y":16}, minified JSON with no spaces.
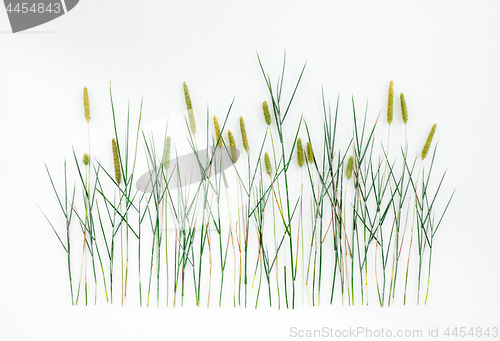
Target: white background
{"x":444,"y":55}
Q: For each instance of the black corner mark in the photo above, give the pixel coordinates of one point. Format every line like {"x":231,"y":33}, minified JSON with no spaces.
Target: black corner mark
{"x":25,"y":14}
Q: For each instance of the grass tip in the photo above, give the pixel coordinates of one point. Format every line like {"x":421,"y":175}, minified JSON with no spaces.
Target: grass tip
{"x":300,"y":153}
{"x":116,"y":160}
{"x":390,"y":103}
{"x":192,"y":121}
{"x":267,"y":115}
{"x":166,"y":153}
{"x":218,"y":138}
{"x":350,"y":166}
{"x":310,"y":153}
{"x":427,"y":145}
{"x":86,"y":159}
{"x":244,"y":134}
{"x":404,"y":110}
{"x":86,"y":104}
{"x":267,"y":162}
{"x":232,"y":145}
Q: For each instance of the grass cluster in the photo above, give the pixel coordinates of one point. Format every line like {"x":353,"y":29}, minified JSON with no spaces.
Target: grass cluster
{"x":297,"y":221}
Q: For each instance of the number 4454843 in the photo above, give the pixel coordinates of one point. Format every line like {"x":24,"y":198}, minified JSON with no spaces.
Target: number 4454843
{"x":471,"y":332}
{"x":34,"y":8}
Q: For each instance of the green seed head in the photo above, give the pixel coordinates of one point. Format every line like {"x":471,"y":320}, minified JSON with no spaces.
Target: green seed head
{"x":269,"y":170}
{"x":350,"y":165}
{"x":428,"y":142}
{"x":300,"y":153}
{"x":310,"y":154}
{"x":186,"y":96}
{"x":267,"y":115}
{"x":86,"y":159}
{"x":390,"y":103}
{"x":116,"y":159}
{"x":244,"y":134}
{"x":166,"y":153}
{"x":86,"y":104}
{"x":232,"y":145}
{"x":217,"y":132}
{"x":404,"y":110}
{"x":192,"y":121}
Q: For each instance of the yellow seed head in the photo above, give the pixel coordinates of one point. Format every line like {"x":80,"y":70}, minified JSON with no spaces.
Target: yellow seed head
{"x":186,"y":96}
{"x":404,"y":110}
{"x":234,"y":154}
{"x":86,"y":159}
{"x":350,"y":165}
{"x":310,"y":154}
{"x":269,"y":169}
{"x":166,"y":153}
{"x":192,"y":121}
{"x":86,"y":104}
{"x":217,"y":132}
{"x":390,"y":103}
{"x":116,"y":159}
{"x":428,"y":142}
{"x":300,"y":153}
{"x":244,"y":134}
{"x":267,"y":115}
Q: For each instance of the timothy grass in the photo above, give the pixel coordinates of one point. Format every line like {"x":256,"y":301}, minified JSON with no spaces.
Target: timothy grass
{"x":349,"y":231}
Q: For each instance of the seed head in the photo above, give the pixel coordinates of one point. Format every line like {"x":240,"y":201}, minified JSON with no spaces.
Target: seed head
{"x":217,"y":132}
{"x":350,"y":165}
{"x":192,"y":121}
{"x":269,"y":170}
{"x":390,"y":103}
{"x":244,"y":134}
{"x":310,"y":154}
{"x":86,"y":104}
{"x":232,"y":145}
{"x":267,"y":115}
{"x":300,"y":153}
{"x":428,"y":142}
{"x":404,"y":110}
{"x":86,"y":159}
{"x":186,"y":96}
{"x":116,"y":159}
{"x":166,"y":153}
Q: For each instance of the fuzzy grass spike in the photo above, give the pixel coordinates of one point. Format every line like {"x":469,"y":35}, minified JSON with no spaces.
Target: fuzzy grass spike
{"x":166,"y":153}
{"x":217,"y":132}
{"x":390,"y":103}
{"x":267,"y":161}
{"x":232,"y":145}
{"x":86,"y":104}
{"x":350,"y":165}
{"x":300,"y":153}
{"x":310,"y":154}
{"x":267,"y":115}
{"x":404,"y":110}
{"x":244,"y":134}
{"x":116,"y":160}
{"x":428,"y":142}
{"x":86,"y":159}
{"x":192,"y":121}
